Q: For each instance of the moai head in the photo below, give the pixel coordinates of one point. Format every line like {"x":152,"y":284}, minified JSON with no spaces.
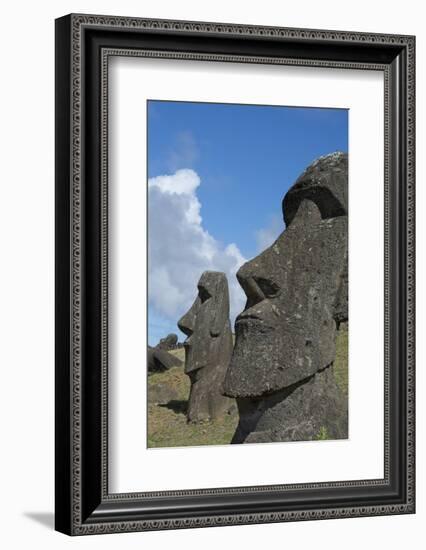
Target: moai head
{"x":295,"y":288}
{"x":205,"y":321}
{"x":169,"y":342}
{"x":208,"y":348}
{"x":160,"y":360}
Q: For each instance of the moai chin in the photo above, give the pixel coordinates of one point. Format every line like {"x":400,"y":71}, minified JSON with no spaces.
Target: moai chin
{"x":208,"y":348}
{"x":281,"y":368}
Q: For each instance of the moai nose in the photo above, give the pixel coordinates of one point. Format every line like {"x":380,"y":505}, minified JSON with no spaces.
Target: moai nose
{"x":248,"y":283}
{"x":187,"y":322}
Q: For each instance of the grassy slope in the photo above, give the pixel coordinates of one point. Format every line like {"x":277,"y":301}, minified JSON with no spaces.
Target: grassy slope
{"x":341,"y":360}
{"x":167,"y":425}
{"x":169,"y":428}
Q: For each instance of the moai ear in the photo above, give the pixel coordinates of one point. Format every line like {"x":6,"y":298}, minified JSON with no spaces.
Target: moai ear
{"x":221,"y":308}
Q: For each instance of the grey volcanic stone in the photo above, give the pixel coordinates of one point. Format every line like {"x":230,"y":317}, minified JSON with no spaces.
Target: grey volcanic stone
{"x":341,"y":305}
{"x":160,"y":360}
{"x":208,"y":348}
{"x":168,"y":343}
{"x":296,"y":298}
{"x":325,"y":182}
{"x":296,"y":413}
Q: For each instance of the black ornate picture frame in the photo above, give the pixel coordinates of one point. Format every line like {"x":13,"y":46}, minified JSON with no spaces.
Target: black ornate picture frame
{"x":84,"y":44}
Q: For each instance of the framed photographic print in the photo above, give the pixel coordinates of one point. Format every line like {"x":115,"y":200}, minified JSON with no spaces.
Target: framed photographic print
{"x":234,"y":274}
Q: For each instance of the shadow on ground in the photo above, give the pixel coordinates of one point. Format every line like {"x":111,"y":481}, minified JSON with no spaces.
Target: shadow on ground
{"x":177,"y":406}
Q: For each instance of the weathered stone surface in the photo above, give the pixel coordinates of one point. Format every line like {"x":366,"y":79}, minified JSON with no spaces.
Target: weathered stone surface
{"x":325,"y":182}
{"x":160,"y":360}
{"x":342,"y":298}
{"x":296,"y":298}
{"x":297,"y":413}
{"x":168,"y":343}
{"x":208,"y":348}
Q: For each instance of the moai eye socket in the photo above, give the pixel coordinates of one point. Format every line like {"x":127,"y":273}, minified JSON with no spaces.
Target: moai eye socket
{"x":203,"y":294}
{"x":268,"y":288}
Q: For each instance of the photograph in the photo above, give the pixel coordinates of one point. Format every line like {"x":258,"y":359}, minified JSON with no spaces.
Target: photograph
{"x":247,"y":240}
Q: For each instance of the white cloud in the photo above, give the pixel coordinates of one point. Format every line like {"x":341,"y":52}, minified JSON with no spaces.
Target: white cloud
{"x":266,"y":236}
{"x":183,"y":182}
{"x":180,"y":248}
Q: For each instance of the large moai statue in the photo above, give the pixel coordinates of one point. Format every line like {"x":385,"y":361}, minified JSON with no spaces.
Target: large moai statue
{"x":208,"y":348}
{"x":281,"y":372}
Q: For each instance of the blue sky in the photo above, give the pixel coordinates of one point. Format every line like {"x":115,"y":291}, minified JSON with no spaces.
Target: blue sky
{"x":246,"y":157}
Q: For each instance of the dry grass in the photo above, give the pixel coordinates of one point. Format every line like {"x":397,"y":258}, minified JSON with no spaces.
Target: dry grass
{"x":341,"y":360}
{"x":167,"y":424}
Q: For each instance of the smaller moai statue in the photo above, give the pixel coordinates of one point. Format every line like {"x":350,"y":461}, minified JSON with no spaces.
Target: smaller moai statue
{"x":160,"y":360}
{"x":208,"y":348}
{"x":168,"y":343}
